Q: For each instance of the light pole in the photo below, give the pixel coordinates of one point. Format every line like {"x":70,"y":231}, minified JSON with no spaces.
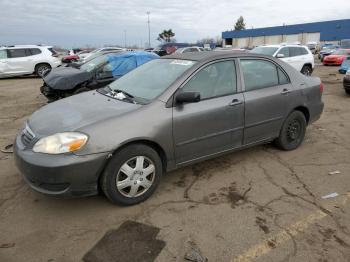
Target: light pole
{"x":149,"y":30}
{"x":124,"y":38}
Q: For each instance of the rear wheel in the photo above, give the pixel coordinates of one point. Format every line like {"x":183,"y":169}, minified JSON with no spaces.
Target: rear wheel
{"x":42,"y":69}
{"x":132,"y":175}
{"x":347,"y":91}
{"x":306,"y":70}
{"x":292,"y":132}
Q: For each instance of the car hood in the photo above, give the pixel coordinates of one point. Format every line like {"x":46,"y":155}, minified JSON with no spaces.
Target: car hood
{"x":333,"y":57}
{"x":66,"y":78}
{"x":75,"y":112}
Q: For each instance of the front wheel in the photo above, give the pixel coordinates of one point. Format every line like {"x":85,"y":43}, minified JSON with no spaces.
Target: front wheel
{"x":132,"y":175}
{"x":42,"y":69}
{"x":292,"y":132}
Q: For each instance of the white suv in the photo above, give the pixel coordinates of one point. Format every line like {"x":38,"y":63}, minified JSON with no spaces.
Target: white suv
{"x":298,"y":56}
{"x":27,"y":59}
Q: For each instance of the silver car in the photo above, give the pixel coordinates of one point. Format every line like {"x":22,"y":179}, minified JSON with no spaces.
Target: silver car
{"x":166,"y":114}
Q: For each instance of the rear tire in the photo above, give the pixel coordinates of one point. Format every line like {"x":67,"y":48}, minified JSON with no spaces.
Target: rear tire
{"x":292,"y":132}
{"x":128,"y":178}
{"x":347,"y":91}
{"x":42,"y":69}
{"x":306,"y":70}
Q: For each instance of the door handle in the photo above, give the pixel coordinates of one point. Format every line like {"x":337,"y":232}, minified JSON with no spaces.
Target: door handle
{"x":235,"y":102}
{"x":285,"y":91}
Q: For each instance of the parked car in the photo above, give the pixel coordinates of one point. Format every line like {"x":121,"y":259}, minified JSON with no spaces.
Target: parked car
{"x":26,"y":60}
{"x":326,"y":51}
{"x":165,"y":114}
{"x":346,"y":82}
{"x":345,"y":66}
{"x":312,"y":47}
{"x":189,"y":49}
{"x":98,"y":72}
{"x":168,"y":48}
{"x":337,"y":57}
{"x":345,"y":43}
{"x":298,"y":56}
{"x":234,"y":49}
{"x":70,"y":58}
{"x":83,"y":57}
{"x":78,"y":63}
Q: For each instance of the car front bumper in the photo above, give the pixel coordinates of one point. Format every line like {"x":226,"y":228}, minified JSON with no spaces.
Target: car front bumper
{"x":64,"y":175}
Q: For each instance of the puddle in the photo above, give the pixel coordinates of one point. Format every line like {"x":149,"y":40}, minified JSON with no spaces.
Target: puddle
{"x":131,"y":242}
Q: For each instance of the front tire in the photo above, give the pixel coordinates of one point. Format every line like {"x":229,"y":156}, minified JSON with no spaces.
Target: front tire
{"x":132,"y":175}
{"x":292,"y":132}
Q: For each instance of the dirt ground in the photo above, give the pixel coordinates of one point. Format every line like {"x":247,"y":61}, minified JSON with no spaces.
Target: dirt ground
{"x":259,"y":204}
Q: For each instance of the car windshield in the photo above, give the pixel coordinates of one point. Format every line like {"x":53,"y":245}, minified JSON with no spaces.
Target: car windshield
{"x":340,"y":52}
{"x":264,"y":50}
{"x":151,"y":79}
{"x":94,"y":63}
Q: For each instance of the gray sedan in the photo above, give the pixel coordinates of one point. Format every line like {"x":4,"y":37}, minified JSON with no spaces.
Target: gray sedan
{"x":166,"y":114}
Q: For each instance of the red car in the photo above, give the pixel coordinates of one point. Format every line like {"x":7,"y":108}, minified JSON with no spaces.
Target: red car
{"x":337,"y":57}
{"x":70,"y":58}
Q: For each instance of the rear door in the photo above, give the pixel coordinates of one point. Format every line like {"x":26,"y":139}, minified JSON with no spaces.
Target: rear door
{"x":19,"y":61}
{"x":266,"y":93}
{"x":215,"y":124}
{"x":296,"y":57}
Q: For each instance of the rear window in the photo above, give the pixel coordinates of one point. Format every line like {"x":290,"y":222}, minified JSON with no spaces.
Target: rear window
{"x":264,"y":50}
{"x":35,"y":51}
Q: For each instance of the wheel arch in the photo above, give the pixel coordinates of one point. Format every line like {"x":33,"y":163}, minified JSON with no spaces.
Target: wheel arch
{"x":305,"y":111}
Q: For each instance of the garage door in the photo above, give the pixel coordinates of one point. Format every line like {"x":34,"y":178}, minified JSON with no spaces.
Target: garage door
{"x":256,"y":41}
{"x":291,"y":38}
{"x":312,"y":37}
{"x":273,"y":39}
{"x":242,"y":42}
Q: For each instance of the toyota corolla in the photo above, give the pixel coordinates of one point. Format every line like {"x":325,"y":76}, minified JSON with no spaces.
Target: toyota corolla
{"x":166,"y":114}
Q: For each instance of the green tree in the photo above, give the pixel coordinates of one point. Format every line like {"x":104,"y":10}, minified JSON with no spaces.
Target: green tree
{"x":240,"y":25}
{"x":166,"y":36}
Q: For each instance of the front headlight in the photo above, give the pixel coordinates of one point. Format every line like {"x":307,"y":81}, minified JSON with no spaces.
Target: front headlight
{"x":60,"y":143}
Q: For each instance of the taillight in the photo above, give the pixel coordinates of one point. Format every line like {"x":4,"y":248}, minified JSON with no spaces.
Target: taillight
{"x":321,"y":87}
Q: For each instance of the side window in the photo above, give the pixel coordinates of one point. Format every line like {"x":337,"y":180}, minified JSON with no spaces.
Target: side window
{"x":283,"y":78}
{"x":35,"y":51}
{"x":258,"y":74}
{"x":3,"y":54}
{"x":303,"y":51}
{"x":294,"y":51}
{"x":284,"y":51}
{"x":214,"y":80}
{"x":15,"y":53}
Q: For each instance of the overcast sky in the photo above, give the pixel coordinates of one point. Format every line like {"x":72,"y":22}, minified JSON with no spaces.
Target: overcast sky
{"x":73,"y":23}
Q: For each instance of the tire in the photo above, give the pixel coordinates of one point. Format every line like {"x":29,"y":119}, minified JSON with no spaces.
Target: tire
{"x":306,"y":70}
{"x":136,"y":184}
{"x":292,"y":132}
{"x":42,"y":69}
{"x":347,"y":91}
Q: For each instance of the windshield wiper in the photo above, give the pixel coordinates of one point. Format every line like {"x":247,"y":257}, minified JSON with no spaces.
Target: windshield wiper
{"x":123,"y":92}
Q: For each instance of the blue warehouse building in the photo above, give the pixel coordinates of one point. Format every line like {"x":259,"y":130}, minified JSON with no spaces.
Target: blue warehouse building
{"x":327,"y":31}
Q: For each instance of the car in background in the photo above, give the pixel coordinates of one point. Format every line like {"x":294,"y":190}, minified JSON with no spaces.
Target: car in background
{"x":84,"y":56}
{"x":337,"y":57}
{"x":22,"y":60}
{"x":168,"y":48}
{"x":189,"y":49}
{"x":227,"y":48}
{"x":298,"y":56}
{"x":312,"y":47}
{"x":345,"y":43}
{"x":164,"y":115}
{"x":346,"y":82}
{"x":96,"y":73}
{"x":326,"y":51}
{"x":345,"y":66}
{"x":70,"y":58}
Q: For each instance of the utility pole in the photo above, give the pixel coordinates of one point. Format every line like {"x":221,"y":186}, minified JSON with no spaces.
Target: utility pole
{"x":149,"y":30}
{"x":125,"y":38}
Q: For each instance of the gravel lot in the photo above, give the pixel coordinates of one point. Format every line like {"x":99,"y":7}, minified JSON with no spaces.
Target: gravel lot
{"x":259,"y":204}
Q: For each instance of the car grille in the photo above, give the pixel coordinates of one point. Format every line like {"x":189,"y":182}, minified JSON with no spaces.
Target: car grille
{"x":27,"y":136}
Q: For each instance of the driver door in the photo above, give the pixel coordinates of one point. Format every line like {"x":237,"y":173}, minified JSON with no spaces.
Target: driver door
{"x":215,"y":124}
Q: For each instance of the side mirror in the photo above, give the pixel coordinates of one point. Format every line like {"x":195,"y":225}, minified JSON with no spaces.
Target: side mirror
{"x":280,"y":55}
{"x":187,"y":97}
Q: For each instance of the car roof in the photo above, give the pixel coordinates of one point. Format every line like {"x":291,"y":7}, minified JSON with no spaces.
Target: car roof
{"x":211,"y":55}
